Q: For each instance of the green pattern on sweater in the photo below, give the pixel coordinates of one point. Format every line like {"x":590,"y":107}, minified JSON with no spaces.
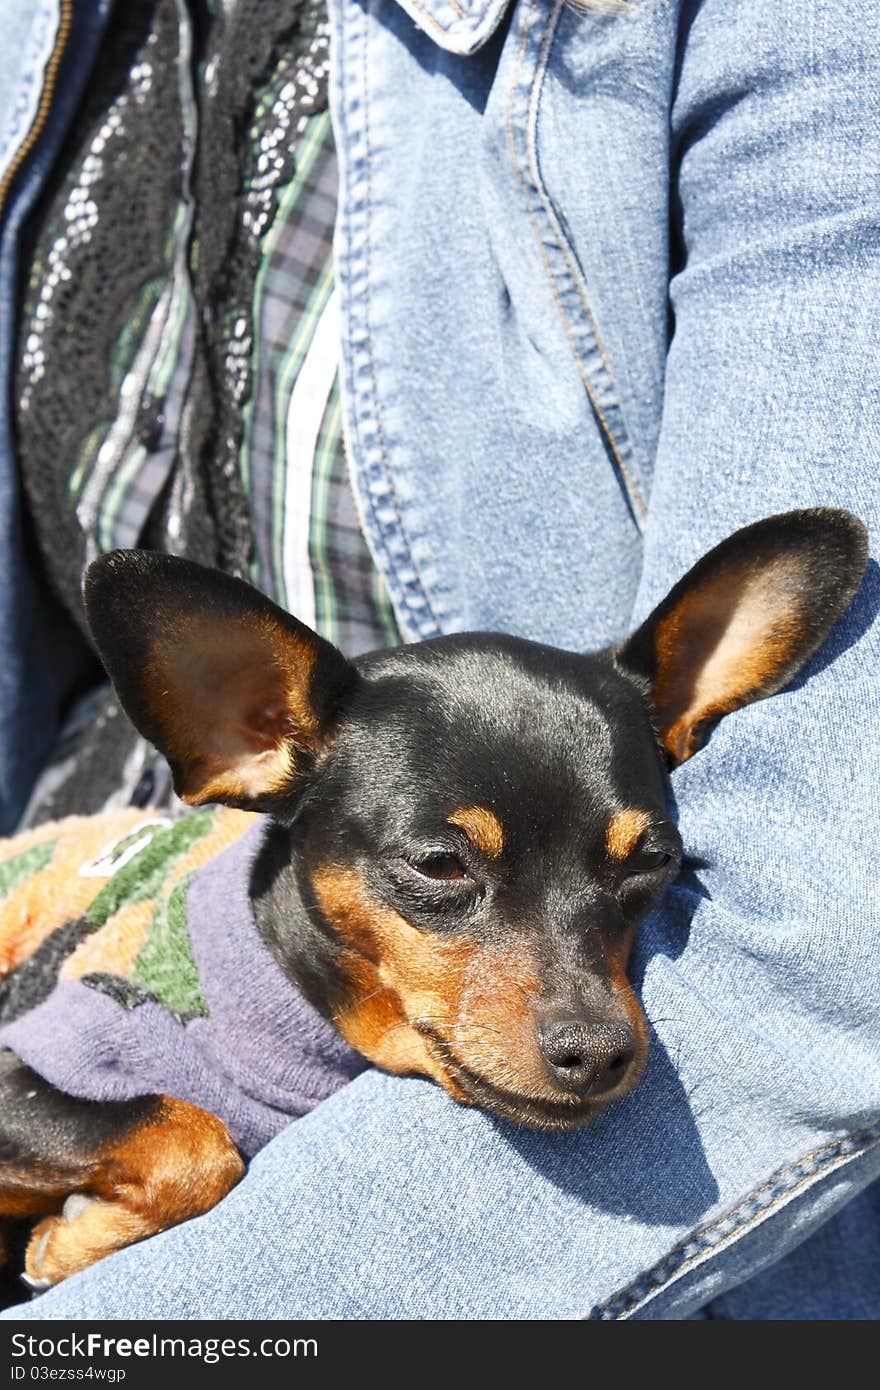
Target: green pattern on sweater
{"x":31,"y":861}
{"x":166,"y":967}
{"x":143,"y":876}
{"x":140,"y":955}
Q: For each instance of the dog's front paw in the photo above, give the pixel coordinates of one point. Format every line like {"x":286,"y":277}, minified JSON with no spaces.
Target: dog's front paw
{"x":86,"y":1230}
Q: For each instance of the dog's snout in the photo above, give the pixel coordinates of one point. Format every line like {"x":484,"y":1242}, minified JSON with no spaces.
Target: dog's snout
{"x":590,"y":1059}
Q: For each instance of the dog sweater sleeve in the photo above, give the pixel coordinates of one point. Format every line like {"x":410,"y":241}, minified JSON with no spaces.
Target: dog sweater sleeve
{"x":162,"y":984}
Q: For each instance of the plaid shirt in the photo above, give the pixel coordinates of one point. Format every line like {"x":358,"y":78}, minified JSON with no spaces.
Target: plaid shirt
{"x":309,"y":554}
{"x":309,"y":551}
{"x":305,"y":543}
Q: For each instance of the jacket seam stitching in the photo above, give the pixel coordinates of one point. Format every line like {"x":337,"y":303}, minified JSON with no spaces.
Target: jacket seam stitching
{"x":374,"y":387}
{"x":552,"y":19}
{"x":434,"y":21}
{"x":677,"y":1260}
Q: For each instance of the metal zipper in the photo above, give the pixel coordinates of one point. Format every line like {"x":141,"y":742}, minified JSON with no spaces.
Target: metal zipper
{"x":65,"y":23}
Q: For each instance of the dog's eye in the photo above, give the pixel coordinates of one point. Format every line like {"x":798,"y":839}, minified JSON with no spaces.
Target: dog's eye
{"x":439,"y":866}
{"x":647,"y":861}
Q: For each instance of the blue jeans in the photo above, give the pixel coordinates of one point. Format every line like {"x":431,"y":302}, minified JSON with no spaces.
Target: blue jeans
{"x":609,"y":290}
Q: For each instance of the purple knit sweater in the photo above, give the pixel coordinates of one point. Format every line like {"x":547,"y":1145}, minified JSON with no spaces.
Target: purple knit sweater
{"x":262,"y":1056}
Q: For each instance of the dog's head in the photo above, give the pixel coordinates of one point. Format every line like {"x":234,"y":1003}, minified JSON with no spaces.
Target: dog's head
{"x":479,"y":823}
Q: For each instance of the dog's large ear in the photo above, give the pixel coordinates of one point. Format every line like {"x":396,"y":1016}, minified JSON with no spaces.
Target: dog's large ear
{"x":744,"y":620}
{"x":235,"y":692}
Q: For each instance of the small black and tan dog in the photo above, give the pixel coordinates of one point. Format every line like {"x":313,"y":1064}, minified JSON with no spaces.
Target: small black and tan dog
{"x":466,"y":835}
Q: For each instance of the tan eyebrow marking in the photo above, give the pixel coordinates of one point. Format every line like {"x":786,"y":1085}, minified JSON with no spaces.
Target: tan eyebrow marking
{"x":624,"y":831}
{"x":482,"y":827}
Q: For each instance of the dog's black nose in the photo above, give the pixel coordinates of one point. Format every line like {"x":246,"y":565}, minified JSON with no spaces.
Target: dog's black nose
{"x":589,"y":1058}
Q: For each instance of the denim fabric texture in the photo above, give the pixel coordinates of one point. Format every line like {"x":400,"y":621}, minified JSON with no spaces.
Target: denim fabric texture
{"x":29,"y":39}
{"x":834,"y":1273}
{"x":553,"y":409}
{"x":32,"y":663}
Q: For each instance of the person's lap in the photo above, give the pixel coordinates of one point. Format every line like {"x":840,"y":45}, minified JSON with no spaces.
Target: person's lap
{"x":757,"y":1120}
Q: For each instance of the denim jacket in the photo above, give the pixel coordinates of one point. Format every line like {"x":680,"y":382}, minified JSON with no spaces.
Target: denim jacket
{"x":603,"y":280}
{"x":608,"y":285}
